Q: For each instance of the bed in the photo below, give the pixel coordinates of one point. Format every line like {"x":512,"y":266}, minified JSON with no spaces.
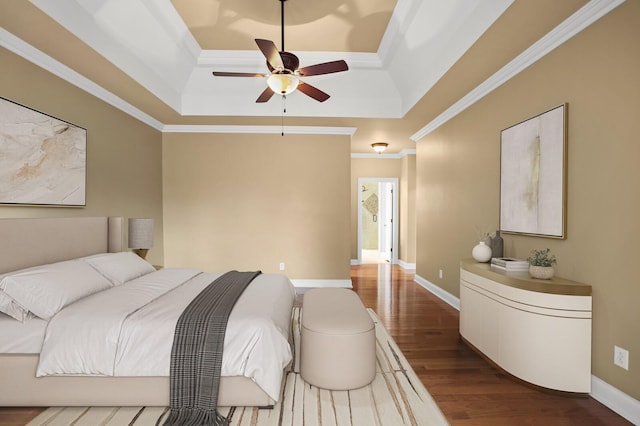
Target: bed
{"x":30,"y":242}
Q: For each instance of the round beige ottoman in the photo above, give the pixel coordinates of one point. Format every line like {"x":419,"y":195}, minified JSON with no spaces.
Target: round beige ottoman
{"x":337,"y":340}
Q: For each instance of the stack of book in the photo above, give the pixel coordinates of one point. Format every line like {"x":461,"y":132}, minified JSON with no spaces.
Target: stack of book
{"x":509,"y":264}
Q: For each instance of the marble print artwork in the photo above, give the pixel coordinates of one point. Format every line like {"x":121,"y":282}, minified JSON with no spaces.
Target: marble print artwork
{"x":42,"y":159}
{"x":532,"y":175}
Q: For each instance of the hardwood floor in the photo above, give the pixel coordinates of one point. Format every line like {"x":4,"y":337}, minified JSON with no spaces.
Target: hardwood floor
{"x":467,"y":388}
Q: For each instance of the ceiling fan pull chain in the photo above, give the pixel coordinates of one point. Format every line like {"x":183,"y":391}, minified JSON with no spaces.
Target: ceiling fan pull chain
{"x":284,"y":111}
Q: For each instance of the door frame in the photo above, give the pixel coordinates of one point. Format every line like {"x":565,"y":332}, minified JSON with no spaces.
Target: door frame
{"x":394,"y":182}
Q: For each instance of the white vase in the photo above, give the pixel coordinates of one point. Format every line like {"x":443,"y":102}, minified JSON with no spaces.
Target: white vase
{"x":541,"y":272}
{"x":481,"y":252}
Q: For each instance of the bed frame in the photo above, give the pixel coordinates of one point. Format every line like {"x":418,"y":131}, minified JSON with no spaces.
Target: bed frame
{"x":37,"y":241}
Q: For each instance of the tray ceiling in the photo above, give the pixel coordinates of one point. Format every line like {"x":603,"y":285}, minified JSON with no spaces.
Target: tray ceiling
{"x":396,"y":51}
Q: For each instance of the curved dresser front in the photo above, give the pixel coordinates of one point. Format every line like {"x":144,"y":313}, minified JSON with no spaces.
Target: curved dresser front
{"x":537,"y":330}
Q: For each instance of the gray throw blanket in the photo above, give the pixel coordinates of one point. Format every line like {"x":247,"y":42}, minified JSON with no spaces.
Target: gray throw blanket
{"x":196,"y":355}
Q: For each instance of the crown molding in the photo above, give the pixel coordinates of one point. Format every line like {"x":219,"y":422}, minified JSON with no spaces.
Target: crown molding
{"x":292,"y":130}
{"x":392,"y":37}
{"x":167,"y":14}
{"x":46,"y":62}
{"x":584,"y":17}
{"x":389,"y":156}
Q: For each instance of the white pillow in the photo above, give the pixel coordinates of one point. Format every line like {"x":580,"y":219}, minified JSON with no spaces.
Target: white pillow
{"x":120,"y":267}
{"x":45,"y":290}
{"x":11,"y":308}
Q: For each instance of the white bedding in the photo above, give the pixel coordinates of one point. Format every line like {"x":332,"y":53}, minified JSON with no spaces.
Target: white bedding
{"x":21,"y":338}
{"x":127,"y":330}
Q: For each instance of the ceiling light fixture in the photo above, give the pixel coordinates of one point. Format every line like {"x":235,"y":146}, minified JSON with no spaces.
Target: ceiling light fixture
{"x":379,"y":147}
{"x":285,"y":70}
{"x":282,"y":84}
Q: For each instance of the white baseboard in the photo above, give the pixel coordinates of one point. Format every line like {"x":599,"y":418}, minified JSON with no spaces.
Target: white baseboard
{"x":322,"y":283}
{"x":404,"y":265}
{"x":442,"y":294}
{"x":616,"y":400}
{"x":407,"y":266}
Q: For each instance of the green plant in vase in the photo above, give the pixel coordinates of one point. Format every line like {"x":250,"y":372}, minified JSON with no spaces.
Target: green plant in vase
{"x":541,"y":264}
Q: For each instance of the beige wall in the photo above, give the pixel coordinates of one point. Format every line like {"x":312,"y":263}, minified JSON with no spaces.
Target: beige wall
{"x":458,"y":180}
{"x":124,"y":156}
{"x":253,"y":201}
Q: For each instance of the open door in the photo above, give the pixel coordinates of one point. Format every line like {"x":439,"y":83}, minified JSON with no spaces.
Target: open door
{"x":385,"y":232}
{"x":377,"y":227}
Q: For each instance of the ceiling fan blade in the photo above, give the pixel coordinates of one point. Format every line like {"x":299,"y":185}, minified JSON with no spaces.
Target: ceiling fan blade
{"x":312,"y":92}
{"x":270,"y":51}
{"x":324,"y":68}
{"x":265,"y":95}
{"x":236,"y":74}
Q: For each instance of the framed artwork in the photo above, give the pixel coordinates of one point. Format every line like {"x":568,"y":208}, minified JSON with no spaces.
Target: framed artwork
{"x":533,"y":163}
{"x":43,"y":160}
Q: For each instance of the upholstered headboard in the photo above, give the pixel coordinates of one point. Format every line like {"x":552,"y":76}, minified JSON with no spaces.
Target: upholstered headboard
{"x":29,"y":242}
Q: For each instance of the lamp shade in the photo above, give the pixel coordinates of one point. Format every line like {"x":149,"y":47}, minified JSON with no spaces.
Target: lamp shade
{"x":140,"y":233}
{"x":282,"y":84}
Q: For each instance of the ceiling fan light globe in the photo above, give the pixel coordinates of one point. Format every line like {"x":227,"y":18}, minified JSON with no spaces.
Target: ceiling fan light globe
{"x":282,"y":83}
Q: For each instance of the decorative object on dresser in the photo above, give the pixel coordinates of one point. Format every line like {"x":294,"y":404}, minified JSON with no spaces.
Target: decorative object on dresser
{"x":497,"y":245}
{"x":536,"y":330}
{"x":140,"y":236}
{"x":541,"y":264}
{"x":509,"y":264}
{"x":533,"y":175}
{"x":481,"y":252}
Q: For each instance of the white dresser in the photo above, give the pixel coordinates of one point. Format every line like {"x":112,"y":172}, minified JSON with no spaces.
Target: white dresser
{"x":537,"y":330}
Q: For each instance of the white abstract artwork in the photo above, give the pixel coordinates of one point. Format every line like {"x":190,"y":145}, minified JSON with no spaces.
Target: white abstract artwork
{"x":42,"y":158}
{"x":532,"y":175}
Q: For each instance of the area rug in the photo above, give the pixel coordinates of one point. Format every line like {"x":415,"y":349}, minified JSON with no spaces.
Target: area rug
{"x":396,"y":397}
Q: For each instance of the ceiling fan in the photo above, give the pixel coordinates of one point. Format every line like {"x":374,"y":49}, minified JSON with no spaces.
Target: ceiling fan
{"x":285,"y":72}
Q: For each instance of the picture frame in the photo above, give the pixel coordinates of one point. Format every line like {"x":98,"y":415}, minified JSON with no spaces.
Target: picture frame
{"x":533,"y":175}
{"x":44,"y":158}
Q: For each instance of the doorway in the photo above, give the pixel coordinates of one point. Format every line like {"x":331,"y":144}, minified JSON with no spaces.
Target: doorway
{"x":377,"y":220}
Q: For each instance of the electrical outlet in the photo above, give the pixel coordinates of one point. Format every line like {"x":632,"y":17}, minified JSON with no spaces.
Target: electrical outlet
{"x":282,"y":266}
{"x":440,"y":274}
{"x":621,"y":357}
